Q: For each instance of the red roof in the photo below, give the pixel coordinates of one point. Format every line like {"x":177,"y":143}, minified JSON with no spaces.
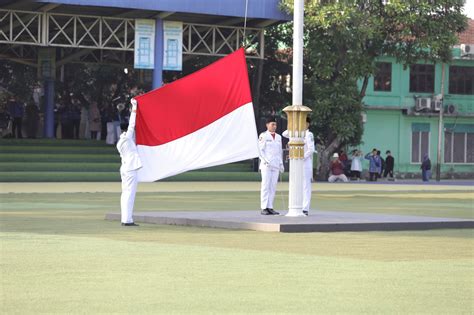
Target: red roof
{"x":467,"y":37}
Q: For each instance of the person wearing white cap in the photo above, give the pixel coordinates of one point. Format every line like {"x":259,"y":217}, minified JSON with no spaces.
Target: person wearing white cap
{"x":337,"y":170}
{"x":271,"y":163}
{"x":130,"y":164}
{"x":309,"y":151}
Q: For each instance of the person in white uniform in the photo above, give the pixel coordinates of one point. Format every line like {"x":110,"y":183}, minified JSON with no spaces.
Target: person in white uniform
{"x":309,"y":151}
{"x":271,"y":164}
{"x":129,"y":169}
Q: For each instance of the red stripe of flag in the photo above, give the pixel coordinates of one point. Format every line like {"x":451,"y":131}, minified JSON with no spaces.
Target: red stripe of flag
{"x":193,"y":102}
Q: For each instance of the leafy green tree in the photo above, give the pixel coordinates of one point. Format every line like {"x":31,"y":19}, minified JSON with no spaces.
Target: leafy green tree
{"x":342,"y":42}
{"x":17,"y":79}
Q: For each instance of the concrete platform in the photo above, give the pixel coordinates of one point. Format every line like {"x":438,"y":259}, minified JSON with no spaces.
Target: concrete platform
{"x":317,"y":221}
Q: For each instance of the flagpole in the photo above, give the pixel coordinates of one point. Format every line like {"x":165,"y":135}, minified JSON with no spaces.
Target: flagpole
{"x":297,"y":117}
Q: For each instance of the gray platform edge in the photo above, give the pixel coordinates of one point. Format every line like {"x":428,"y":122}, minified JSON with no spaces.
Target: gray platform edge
{"x":300,"y":228}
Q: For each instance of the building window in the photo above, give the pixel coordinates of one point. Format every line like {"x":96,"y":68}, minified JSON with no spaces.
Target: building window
{"x":461,"y":80}
{"x":422,"y":78}
{"x":383,"y":77}
{"x":420,"y":145}
{"x":458,"y":147}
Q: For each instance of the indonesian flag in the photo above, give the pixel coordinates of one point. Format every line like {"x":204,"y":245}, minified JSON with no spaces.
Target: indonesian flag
{"x":202,"y":120}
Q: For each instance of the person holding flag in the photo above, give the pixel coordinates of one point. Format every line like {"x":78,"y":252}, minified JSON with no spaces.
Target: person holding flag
{"x":131,"y":163}
{"x":271,"y":163}
{"x":309,"y":151}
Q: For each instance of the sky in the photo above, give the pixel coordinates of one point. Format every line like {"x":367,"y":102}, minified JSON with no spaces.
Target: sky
{"x":469,"y":8}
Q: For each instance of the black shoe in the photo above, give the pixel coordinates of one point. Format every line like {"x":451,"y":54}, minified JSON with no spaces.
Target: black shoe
{"x":265,"y":212}
{"x":306,"y":213}
{"x":273,"y":212}
{"x":130,"y":224}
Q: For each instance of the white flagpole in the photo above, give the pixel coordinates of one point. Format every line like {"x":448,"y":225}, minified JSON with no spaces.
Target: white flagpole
{"x":297,"y":117}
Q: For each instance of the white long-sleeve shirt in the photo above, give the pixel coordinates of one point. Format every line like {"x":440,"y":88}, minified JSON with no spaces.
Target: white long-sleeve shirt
{"x":128,"y":148}
{"x":309,"y":148}
{"x":356,"y":164}
{"x":271,"y":151}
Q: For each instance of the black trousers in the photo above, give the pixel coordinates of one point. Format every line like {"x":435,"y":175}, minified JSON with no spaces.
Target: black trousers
{"x":16,"y":127}
{"x":388,"y":172}
{"x":356,"y":174}
{"x":75,"y":123}
{"x":373,"y":176}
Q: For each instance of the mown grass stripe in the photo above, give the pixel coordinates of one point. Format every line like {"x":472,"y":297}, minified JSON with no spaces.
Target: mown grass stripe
{"x":115,"y":176}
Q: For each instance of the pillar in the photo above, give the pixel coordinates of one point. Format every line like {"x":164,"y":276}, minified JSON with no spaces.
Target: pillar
{"x":49,"y":108}
{"x":158,"y":70}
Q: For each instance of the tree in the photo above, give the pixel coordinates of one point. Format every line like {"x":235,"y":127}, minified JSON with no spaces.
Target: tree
{"x":342,"y":42}
{"x":272,"y":94}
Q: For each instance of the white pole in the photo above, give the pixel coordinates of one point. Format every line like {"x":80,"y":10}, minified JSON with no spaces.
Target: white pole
{"x":295,"y":200}
{"x":298,"y":17}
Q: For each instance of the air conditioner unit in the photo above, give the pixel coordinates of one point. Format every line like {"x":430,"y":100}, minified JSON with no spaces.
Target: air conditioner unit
{"x":436,"y":105}
{"x":467,"y":49}
{"x":422,"y":103}
{"x":451,"y":109}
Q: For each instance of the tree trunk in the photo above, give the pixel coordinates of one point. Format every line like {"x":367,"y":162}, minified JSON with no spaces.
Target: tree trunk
{"x":324,"y":159}
{"x":364,"y":87}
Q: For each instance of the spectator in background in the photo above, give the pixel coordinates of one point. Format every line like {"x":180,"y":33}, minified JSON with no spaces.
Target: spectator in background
{"x":58,"y":108}
{"x":343,"y":157}
{"x":374,"y":164}
{"x":4,"y":121}
{"x":94,"y":120}
{"x":426,"y":168}
{"x":356,"y":164}
{"x":16,"y":111}
{"x":337,"y":170}
{"x":75,"y":116}
{"x":389,"y":165}
{"x":382,"y":164}
{"x":66,"y":126}
{"x":84,"y":124}
{"x":31,"y":119}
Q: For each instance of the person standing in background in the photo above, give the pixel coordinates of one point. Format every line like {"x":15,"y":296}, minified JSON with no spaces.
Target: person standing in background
{"x":75,"y":115}
{"x":356,"y":164}
{"x":382,"y":164}
{"x":94,"y":120}
{"x":426,"y":168}
{"x":389,"y":165}
{"x":374,"y":164}
{"x":16,"y":111}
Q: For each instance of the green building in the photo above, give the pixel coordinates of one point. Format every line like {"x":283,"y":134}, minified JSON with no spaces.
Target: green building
{"x":402,"y":113}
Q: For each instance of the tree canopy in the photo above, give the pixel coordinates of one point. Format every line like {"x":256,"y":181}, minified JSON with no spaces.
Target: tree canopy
{"x":342,"y":42}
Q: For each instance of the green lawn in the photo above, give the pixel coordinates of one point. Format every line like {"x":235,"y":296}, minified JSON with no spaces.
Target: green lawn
{"x":58,"y":254}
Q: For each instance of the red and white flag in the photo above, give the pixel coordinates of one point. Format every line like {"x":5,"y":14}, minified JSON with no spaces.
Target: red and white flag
{"x":202,"y":120}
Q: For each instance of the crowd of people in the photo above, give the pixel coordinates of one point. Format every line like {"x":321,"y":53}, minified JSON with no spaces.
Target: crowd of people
{"x":75,"y":117}
{"x":344,"y":168}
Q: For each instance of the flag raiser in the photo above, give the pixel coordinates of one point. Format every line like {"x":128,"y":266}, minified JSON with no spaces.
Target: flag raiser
{"x":202,"y":120}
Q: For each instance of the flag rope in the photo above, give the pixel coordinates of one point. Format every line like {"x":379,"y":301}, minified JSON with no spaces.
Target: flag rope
{"x":245,"y":22}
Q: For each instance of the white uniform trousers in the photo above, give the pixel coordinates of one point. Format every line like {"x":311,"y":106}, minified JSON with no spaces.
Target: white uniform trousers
{"x":129,"y":189}
{"x":308,"y":176}
{"x":268,"y":189}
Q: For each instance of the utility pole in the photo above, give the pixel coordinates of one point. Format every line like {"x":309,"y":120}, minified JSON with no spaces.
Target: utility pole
{"x":440,"y":126}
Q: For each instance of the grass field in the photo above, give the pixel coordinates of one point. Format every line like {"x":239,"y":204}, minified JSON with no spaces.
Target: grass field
{"x":59,"y":255}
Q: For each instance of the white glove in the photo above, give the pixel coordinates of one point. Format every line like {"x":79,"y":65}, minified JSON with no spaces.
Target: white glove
{"x":134,"y":104}
{"x":282,"y":168}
